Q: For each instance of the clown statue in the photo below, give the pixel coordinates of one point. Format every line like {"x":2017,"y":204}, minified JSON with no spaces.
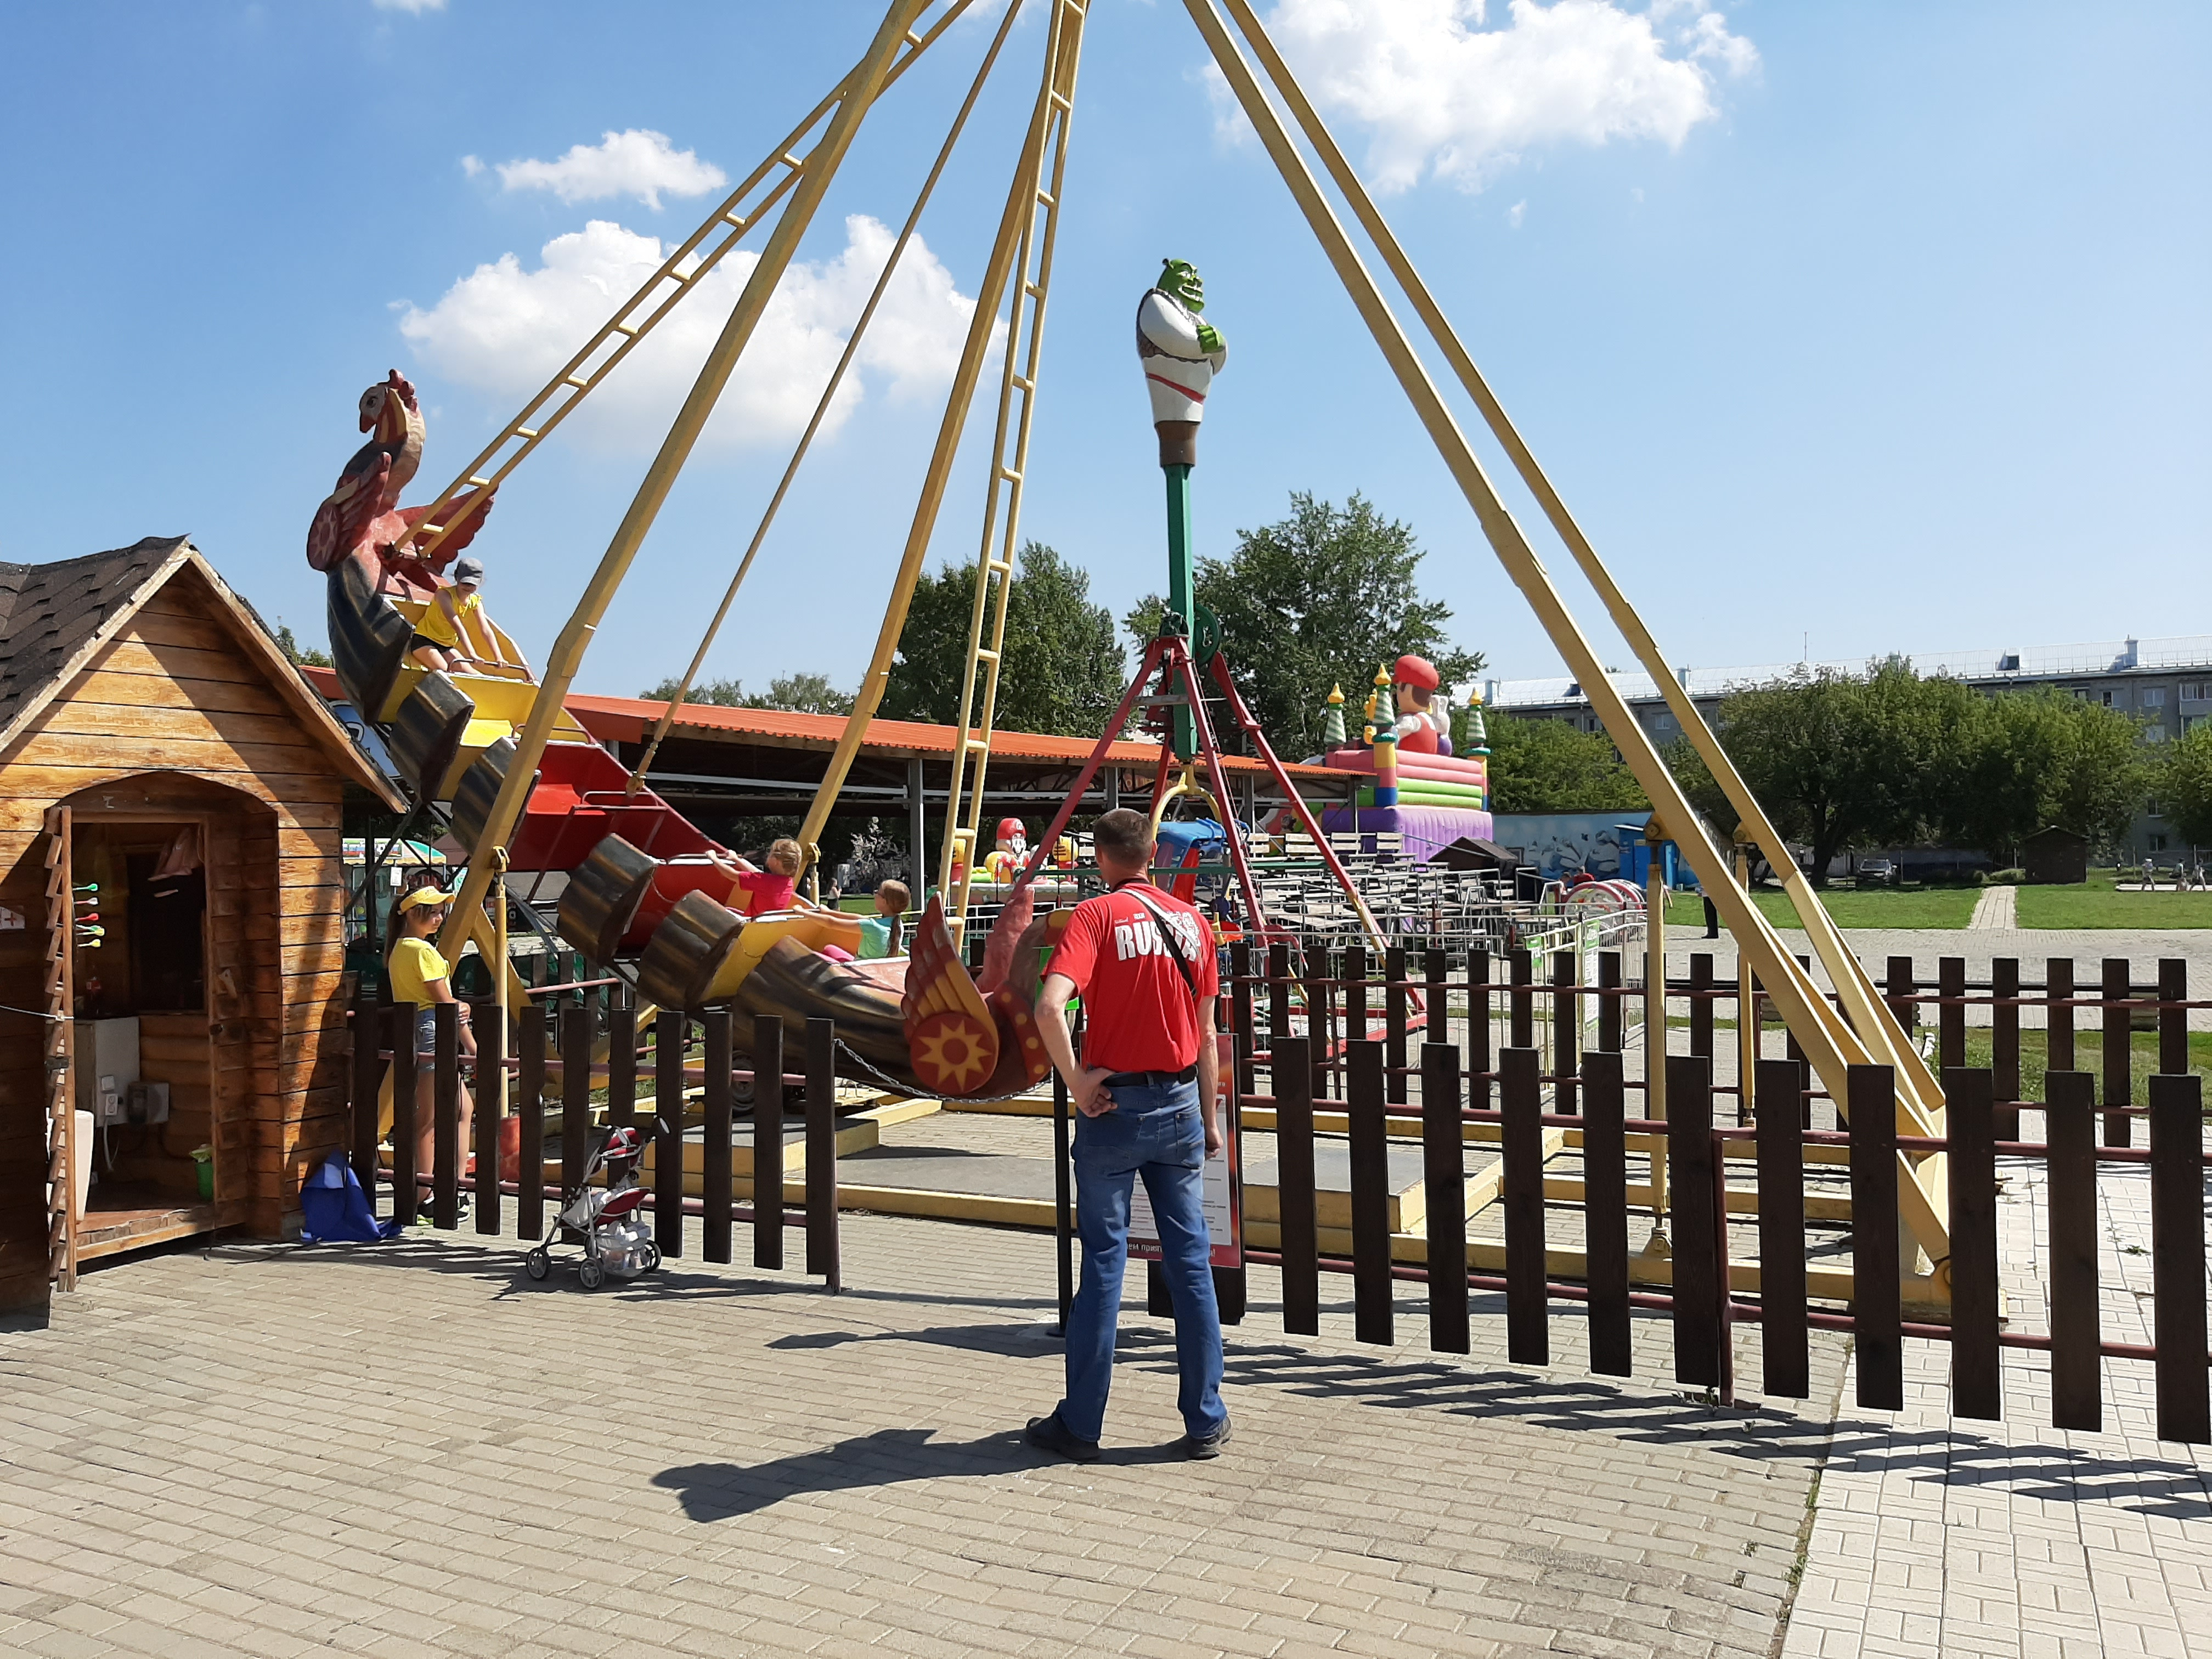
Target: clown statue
{"x":1013,"y":852}
{"x":1425,"y":721}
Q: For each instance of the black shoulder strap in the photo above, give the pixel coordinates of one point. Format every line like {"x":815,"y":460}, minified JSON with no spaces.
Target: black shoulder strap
{"x":1166,"y":932}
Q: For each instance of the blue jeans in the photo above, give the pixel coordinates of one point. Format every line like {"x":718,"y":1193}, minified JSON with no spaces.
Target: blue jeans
{"x":1155,"y":1132}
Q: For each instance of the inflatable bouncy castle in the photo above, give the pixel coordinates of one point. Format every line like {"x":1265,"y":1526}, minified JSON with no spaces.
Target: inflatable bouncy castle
{"x":1420,"y":789}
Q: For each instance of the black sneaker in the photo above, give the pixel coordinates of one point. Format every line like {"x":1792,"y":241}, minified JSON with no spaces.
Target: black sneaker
{"x":1202,"y":1446}
{"x":1050,"y":1434}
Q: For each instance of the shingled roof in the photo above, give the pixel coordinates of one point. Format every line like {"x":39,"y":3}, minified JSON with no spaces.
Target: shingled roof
{"x":56,"y":618}
{"x":48,"y":612}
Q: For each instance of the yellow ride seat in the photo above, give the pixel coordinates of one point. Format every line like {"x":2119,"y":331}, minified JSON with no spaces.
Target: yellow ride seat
{"x":811,"y":928}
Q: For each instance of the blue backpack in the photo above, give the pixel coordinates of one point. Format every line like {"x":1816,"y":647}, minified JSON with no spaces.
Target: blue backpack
{"x":334,"y":1210}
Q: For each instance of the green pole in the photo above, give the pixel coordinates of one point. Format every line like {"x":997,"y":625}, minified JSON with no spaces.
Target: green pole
{"x":1181,"y":599}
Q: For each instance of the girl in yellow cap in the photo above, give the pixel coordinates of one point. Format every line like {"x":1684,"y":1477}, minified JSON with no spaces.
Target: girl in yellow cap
{"x":419,"y":975}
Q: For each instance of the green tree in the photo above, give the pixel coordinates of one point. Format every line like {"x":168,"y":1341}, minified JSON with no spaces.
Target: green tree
{"x":2184,"y":785}
{"x":1841,"y":761}
{"x":1320,"y":599}
{"x":1548,"y":766}
{"x":801,"y":693}
{"x":2043,"y":757}
{"x":1062,"y":672}
{"x":293,"y":654}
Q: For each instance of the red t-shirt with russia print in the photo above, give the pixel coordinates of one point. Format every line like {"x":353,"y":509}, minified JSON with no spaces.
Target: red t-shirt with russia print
{"x":1138,"y":1013}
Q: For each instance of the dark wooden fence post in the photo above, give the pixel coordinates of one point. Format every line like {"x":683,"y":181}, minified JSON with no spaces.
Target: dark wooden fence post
{"x":1294,"y":1186}
{"x":491,"y":1111}
{"x":768,"y":1142}
{"x":1521,"y":1006}
{"x":822,"y":1245}
{"x":1903,"y":986}
{"x":406,"y":1090}
{"x":717,"y":1188}
{"x":446,"y":1123}
{"x":2004,"y":1043}
{"x":1395,"y":1008}
{"x":2118,"y":1055}
{"x":1951,"y":1011}
{"x":1785,"y":1353}
{"x":529,"y":1103}
{"x":1479,"y":1063}
{"x":1521,"y":1143}
{"x":2172,"y":1022}
{"x":368,"y":1033}
{"x":1566,"y":1029}
{"x":2076,"y":1364}
{"x":576,"y":1096}
{"x":1691,"y":1169}
{"x":1976,"y":1378}
{"x":1436,"y":994}
{"x":1877,"y":1291}
{"x":1605,"y":1209}
{"x":1278,"y":1010}
{"x":1612,"y":1015}
{"x":1701,"y":1006}
{"x":1443,"y":1166}
{"x":670,"y":1034}
{"x":621,"y":1065}
{"x":2058,"y":1021}
{"x":2177,"y":1256}
{"x":1317,"y":971}
{"x":1370,"y":1149}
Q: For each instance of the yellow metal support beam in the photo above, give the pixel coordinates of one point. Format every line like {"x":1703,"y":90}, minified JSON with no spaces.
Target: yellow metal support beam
{"x":1833,"y":1050}
{"x":994,"y":559}
{"x":567,"y":654}
{"x":1920,"y":1097}
{"x":730,"y":221}
{"x":1063,"y":41}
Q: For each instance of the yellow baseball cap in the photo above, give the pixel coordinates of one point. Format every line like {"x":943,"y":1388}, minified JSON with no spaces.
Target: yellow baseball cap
{"x":425,"y":896}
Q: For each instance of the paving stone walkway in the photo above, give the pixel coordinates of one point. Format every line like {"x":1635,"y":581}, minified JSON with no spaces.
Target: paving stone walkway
{"x":1938,"y":1537}
{"x":413,"y":1450}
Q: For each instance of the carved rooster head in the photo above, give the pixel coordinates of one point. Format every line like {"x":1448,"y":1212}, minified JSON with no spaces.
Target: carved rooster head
{"x":385,"y":406}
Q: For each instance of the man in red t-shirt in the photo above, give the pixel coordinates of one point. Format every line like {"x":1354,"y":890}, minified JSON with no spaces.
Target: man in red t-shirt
{"x":1144,"y":1088}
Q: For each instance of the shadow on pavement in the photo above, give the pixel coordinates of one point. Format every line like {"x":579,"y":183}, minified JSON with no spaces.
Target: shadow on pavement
{"x":718,"y":1492}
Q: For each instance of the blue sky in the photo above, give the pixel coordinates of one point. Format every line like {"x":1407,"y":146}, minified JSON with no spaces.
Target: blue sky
{"x":1857,"y":327}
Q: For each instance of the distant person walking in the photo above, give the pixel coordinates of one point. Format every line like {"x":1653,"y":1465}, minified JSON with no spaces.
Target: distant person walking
{"x":1145,"y":1090}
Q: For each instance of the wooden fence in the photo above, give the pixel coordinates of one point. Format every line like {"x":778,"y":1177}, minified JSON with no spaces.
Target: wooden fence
{"x":552,"y":1079}
{"x":1301,"y":1016}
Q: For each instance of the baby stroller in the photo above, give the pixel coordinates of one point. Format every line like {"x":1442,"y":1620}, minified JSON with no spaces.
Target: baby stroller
{"x":607,"y":1221}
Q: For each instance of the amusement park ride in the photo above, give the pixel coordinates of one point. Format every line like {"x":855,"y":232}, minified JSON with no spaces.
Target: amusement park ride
{"x":529,"y":791}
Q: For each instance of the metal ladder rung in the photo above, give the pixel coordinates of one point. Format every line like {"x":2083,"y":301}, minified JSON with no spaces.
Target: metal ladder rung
{"x":1010,"y":475}
{"x":478,"y":481}
{"x":1031,"y":289}
{"x":581,"y":384}
{"x":736,"y":218}
{"x":970,"y":744}
{"x":1045,"y":197}
{"x":1003,"y":567}
{"x":791,"y":162}
{"x":1025,"y":383}
{"x":984,"y":653}
{"x":629,"y":329}
{"x":525,"y":431}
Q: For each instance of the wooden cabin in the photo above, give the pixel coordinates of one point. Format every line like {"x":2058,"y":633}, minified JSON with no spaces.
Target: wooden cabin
{"x":164,"y":769}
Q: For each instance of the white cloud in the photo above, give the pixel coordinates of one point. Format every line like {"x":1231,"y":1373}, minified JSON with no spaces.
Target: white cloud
{"x":505,"y":332}
{"x":472,"y":166}
{"x":417,"y":7}
{"x":1442,"y":95}
{"x":636,"y":162}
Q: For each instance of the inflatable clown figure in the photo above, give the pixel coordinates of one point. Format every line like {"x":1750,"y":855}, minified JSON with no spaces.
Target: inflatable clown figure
{"x":1011,"y":853}
{"x":1181,"y":355}
{"x":1424,"y":708}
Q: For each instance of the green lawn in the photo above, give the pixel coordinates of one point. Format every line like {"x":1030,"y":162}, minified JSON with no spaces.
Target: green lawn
{"x":2088,"y":1056}
{"x":2093,"y":904}
{"x":1878,"y":907}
